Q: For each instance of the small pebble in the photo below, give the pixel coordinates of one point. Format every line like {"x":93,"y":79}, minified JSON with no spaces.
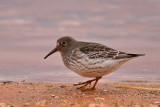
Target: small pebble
{"x":62,"y":86}
{"x":99,"y":99}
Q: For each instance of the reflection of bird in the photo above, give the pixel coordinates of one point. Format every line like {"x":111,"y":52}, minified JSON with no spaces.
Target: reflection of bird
{"x":90,"y":59}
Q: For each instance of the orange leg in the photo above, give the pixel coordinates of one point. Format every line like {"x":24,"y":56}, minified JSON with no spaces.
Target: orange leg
{"x":97,"y":78}
{"x":89,"y":82}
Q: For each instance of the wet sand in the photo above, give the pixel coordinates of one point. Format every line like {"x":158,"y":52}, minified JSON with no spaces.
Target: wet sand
{"x":27,"y":94}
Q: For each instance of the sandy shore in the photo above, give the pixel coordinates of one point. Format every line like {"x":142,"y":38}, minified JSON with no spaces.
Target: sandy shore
{"x":27,"y":94}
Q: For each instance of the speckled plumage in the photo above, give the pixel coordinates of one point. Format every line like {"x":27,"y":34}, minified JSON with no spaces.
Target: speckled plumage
{"x":90,"y":59}
{"x":93,"y":59}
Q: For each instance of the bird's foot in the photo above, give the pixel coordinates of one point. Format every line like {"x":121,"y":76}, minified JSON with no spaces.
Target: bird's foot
{"x":85,"y":83}
{"x":82,"y":87}
{"x":80,"y":83}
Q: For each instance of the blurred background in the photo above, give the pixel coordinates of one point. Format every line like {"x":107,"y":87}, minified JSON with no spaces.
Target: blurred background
{"x":29,"y":30}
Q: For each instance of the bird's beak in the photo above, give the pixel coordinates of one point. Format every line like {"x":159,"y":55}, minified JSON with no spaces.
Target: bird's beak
{"x":53,"y":51}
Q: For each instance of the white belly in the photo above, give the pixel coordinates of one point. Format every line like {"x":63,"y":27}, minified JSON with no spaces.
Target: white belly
{"x":94,"y":67}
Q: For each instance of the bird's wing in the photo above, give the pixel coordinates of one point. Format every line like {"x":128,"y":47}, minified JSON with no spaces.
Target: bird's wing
{"x":95,"y":50}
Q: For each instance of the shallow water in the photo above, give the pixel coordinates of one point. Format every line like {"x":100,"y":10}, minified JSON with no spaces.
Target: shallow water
{"x":29,"y":29}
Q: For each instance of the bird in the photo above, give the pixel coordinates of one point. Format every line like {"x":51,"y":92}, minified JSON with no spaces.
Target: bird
{"x":89,"y":59}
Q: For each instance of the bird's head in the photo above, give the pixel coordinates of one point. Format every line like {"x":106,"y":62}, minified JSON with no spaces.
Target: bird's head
{"x":63,"y":45}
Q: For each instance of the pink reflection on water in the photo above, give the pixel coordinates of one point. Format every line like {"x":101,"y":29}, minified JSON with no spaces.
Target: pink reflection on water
{"x":30,"y":30}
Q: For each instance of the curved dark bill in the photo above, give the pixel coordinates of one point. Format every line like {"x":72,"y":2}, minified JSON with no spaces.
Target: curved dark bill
{"x":53,"y":51}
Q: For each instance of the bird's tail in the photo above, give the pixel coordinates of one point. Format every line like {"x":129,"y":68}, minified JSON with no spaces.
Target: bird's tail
{"x":135,"y":55}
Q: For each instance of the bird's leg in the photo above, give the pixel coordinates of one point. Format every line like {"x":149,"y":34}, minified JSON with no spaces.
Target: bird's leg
{"x":97,"y":78}
{"x":85,"y":83}
{"x":83,"y":86}
{"x":88,"y":82}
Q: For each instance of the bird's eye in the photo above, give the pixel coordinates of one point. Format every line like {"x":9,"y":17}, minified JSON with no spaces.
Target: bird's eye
{"x":63,"y":43}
